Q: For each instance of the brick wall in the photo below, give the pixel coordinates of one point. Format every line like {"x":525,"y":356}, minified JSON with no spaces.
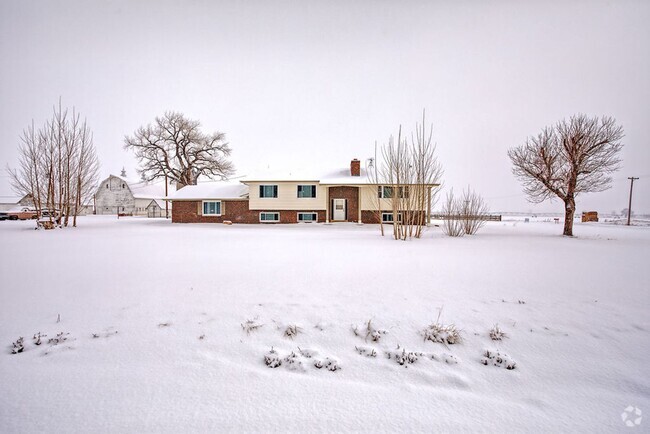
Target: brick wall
{"x":373,"y":217}
{"x":352,"y":196}
{"x":235,"y":211}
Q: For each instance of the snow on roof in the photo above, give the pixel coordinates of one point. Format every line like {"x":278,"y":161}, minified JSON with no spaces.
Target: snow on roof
{"x":147,"y":190}
{"x":10,"y":199}
{"x":340,"y":176}
{"x":211,"y":190}
{"x":144,"y":189}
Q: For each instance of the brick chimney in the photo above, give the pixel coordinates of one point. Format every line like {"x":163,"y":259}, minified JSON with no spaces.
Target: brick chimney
{"x":355,"y":167}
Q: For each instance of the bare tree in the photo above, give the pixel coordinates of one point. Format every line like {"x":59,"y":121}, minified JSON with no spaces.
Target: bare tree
{"x":405,"y":177}
{"x":58,"y":166}
{"x":571,"y":157}
{"x":174,"y":146}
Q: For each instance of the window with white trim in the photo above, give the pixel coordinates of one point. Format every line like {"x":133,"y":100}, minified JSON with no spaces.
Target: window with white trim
{"x":386,"y":192}
{"x":212,"y":207}
{"x":269,"y":217}
{"x":307,"y":217}
{"x":306,"y":191}
{"x":268,"y":191}
{"x":387,"y":217}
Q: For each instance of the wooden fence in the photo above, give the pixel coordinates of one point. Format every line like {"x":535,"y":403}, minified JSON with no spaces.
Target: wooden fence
{"x":489,"y":217}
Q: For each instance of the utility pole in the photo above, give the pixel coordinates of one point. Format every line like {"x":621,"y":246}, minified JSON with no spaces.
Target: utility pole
{"x":166,"y":201}
{"x":629,"y":207}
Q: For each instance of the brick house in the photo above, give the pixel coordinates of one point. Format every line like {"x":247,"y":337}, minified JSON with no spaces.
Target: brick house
{"x":341,"y":196}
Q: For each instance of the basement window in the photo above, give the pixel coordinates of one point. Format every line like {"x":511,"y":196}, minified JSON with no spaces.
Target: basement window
{"x":307,"y":217}
{"x":269,"y":217}
{"x":212,"y":207}
{"x":388,"y":217}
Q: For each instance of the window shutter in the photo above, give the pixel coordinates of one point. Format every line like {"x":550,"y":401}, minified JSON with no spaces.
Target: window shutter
{"x":199,"y":211}
{"x":275,"y":191}
{"x":313,"y":191}
{"x":223,"y":207}
{"x":261,"y":191}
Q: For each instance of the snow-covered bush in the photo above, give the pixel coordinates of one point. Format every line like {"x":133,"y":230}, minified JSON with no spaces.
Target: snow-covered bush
{"x":403,"y":357}
{"x":496,"y":334}
{"x":272,"y":359}
{"x":18,"y":346}
{"x":292,"y":331}
{"x":442,"y":334}
{"x":369,"y":332}
{"x":37,"y":338}
{"x":498,"y":359}
{"x":293,"y":363}
{"x":327,"y":363}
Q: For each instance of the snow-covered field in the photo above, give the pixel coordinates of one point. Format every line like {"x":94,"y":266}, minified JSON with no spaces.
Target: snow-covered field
{"x":167,"y":302}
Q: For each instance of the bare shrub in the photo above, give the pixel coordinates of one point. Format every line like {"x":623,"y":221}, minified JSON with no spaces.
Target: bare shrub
{"x":404,"y":358}
{"x":474,"y":211}
{"x":327,"y":363}
{"x":251,"y":325}
{"x":292,"y":331}
{"x":441,"y":333}
{"x":452,"y":224}
{"x":37,"y":338}
{"x":463,"y":215}
{"x":272,"y":359}
{"x":496,"y":334}
{"x":18,"y":346}
{"x":498,"y":359}
{"x":369,"y":332}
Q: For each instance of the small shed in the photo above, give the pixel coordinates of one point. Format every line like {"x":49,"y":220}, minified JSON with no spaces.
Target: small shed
{"x":589,"y":216}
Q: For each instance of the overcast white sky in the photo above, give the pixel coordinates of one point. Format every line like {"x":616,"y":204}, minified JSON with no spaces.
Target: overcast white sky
{"x":315,"y":84}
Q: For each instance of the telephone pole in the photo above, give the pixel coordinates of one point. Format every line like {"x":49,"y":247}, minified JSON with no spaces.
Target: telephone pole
{"x":629,"y":207}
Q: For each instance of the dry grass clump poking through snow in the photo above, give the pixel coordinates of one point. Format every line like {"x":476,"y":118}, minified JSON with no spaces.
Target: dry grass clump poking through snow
{"x":251,"y":325}
{"x":370,"y":332}
{"x":292,"y":331}
{"x":441,"y":333}
{"x":496,"y":334}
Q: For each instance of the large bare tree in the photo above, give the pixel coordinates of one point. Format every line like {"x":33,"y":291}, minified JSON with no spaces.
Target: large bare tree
{"x":571,"y":157}
{"x":175,"y":146}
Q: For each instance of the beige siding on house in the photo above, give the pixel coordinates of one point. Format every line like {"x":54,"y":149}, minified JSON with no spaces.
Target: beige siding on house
{"x":287,"y":197}
{"x":368,"y":198}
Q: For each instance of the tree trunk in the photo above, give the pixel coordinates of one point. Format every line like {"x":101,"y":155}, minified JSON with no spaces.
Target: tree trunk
{"x":569,"y":211}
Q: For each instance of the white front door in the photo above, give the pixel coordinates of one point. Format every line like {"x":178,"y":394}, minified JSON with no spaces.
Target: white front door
{"x":338,"y":205}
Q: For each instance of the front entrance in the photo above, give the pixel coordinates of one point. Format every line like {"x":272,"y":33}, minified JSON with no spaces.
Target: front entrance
{"x":338,"y":210}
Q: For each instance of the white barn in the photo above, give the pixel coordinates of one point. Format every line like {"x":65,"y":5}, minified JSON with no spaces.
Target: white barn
{"x":117,"y":195}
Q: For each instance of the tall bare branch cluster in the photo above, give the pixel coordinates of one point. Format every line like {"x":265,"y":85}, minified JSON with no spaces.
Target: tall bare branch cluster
{"x":463,"y":215}
{"x":58,"y":165}
{"x":568,"y":158}
{"x":175,"y":146}
{"x":404,"y":176}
